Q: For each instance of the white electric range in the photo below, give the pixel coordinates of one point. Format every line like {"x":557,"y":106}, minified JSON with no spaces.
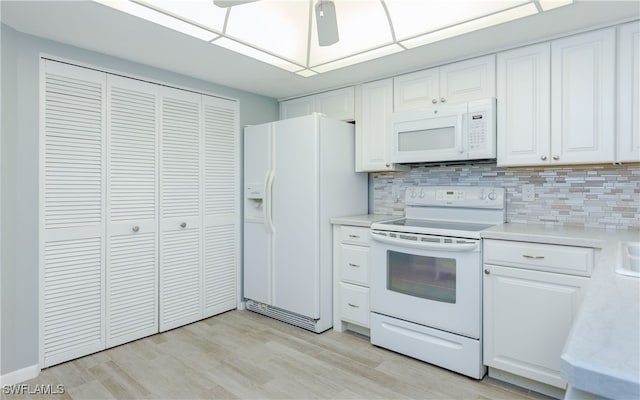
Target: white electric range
{"x":426,"y":282}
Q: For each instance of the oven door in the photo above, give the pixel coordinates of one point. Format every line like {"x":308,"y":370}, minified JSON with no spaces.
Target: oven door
{"x":429,"y":280}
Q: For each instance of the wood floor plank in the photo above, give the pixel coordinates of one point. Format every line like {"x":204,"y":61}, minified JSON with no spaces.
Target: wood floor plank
{"x":244,"y":355}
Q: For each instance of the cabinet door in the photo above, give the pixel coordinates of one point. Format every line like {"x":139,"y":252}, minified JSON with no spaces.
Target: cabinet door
{"x":221,"y":205}
{"x":629,"y":93}
{"x":468,"y":80}
{"x":132,"y":208}
{"x":72,"y":220}
{"x":336,"y":104}
{"x":527,"y":318}
{"x":180,"y":209}
{"x":583,"y":98}
{"x":416,"y":90}
{"x":373,"y":131}
{"x":524,"y":106}
{"x":296,"y":107}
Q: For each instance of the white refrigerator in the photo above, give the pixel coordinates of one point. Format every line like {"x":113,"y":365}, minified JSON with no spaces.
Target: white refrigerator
{"x":298,"y":174}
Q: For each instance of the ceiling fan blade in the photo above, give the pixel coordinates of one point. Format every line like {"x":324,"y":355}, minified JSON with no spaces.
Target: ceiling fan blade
{"x":231,"y":3}
{"x":326,"y":22}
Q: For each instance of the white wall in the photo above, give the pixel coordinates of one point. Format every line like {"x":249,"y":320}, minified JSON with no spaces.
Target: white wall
{"x":19,"y":174}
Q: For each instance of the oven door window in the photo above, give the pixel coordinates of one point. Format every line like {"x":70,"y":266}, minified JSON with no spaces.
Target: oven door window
{"x":432,"y":278}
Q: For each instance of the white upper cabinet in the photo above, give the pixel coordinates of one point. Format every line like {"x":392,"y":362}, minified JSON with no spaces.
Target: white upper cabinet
{"x":374,"y":102}
{"x":556,"y":101}
{"x":583,"y":98}
{"x":337,"y":104}
{"x":524,"y":104}
{"x":453,"y":83}
{"x":629,"y":93}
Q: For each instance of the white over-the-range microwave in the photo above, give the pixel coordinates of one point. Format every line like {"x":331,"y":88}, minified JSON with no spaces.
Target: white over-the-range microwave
{"x":448,"y":132}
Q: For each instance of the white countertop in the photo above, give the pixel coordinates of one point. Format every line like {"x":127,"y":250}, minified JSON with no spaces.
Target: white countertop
{"x":362,"y":220}
{"x":602,"y":352}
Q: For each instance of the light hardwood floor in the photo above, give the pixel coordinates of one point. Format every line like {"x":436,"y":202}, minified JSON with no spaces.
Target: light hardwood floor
{"x":243,"y":355}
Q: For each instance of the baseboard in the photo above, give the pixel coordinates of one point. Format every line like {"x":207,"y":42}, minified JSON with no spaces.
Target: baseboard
{"x":526,"y":383}
{"x":20,"y":375}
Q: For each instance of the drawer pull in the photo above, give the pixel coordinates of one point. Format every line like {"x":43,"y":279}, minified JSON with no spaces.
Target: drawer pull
{"x":354,"y":236}
{"x":354,"y":265}
{"x":353,"y":305}
{"x":534,"y":257}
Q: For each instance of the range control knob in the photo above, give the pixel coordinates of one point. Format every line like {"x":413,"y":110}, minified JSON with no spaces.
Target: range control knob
{"x":493,"y":195}
{"x":422,"y":193}
{"x":413,"y":193}
{"x":483,"y":195}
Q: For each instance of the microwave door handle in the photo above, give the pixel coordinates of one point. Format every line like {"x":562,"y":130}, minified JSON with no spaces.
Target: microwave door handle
{"x":462,"y":133}
{"x":454,"y":247}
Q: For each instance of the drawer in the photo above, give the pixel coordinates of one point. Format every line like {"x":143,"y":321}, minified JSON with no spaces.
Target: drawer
{"x":354,"y":235}
{"x":543,"y":257}
{"x":354,"y":264}
{"x":354,"y":304}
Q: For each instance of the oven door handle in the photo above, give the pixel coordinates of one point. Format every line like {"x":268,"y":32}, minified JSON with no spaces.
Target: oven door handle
{"x":457,"y":247}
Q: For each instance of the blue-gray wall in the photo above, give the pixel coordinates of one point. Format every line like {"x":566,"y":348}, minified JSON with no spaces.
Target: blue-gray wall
{"x":19,"y":174}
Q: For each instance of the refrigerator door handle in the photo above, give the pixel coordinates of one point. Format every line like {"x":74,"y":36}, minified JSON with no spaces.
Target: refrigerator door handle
{"x":268,"y":202}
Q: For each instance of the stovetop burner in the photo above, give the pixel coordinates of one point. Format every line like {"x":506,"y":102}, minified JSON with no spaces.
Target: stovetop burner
{"x":449,"y":211}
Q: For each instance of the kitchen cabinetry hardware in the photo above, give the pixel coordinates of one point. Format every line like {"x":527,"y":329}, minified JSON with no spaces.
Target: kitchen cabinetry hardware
{"x":183,"y":225}
{"x":135,"y":228}
{"x":487,"y":271}
{"x":458,"y":82}
{"x":351,"y":278}
{"x":567,"y":79}
{"x":522,"y":299}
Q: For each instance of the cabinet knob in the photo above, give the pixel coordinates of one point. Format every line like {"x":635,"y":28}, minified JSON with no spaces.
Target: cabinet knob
{"x":135,"y":228}
{"x":388,"y":165}
{"x":442,"y":99}
{"x":487,"y":272}
{"x":543,"y":158}
{"x":556,"y":157}
{"x":183,"y":225}
{"x":434,"y":101}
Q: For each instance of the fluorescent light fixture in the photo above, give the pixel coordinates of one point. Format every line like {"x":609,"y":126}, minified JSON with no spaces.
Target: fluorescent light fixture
{"x":287,"y":34}
{"x":358,"y":58}
{"x":474,"y":25}
{"x":551,"y":4}
{"x":306,"y":73}
{"x":159,"y":18}
{"x":257,"y":54}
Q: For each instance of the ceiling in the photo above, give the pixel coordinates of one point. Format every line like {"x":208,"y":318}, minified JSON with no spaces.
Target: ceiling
{"x":96,"y":27}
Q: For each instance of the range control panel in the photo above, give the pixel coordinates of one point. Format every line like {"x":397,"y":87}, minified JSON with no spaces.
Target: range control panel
{"x":456,"y":196}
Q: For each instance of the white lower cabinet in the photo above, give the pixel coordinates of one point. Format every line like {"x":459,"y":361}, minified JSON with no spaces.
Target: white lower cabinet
{"x":527,"y":313}
{"x":351,"y":278}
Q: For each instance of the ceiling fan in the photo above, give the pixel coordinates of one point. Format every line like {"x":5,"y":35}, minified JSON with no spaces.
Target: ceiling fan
{"x":326,"y":20}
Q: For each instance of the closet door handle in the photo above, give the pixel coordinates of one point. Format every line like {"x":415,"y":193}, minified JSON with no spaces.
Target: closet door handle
{"x":135,"y":228}
{"x":183,"y":225}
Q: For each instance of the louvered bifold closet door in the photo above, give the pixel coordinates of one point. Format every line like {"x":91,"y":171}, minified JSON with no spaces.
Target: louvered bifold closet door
{"x":72,"y":195}
{"x":180,"y":209}
{"x":132,"y":208}
{"x":221,"y":204}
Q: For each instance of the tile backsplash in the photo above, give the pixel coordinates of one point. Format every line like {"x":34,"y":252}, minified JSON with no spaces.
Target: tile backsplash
{"x":603,"y":196}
